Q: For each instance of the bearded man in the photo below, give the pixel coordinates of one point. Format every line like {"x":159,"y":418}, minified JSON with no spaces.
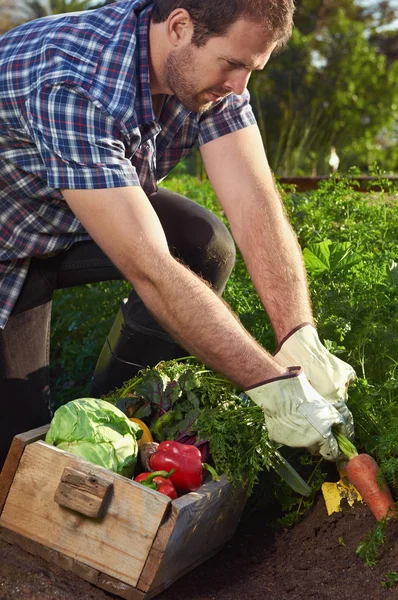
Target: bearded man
{"x":96,"y":108}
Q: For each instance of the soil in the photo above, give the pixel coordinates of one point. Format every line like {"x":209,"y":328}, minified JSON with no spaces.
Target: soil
{"x":315,"y":559}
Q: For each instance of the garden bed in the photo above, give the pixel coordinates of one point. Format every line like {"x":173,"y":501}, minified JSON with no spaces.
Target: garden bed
{"x":316,"y":559}
{"x":351,"y":254}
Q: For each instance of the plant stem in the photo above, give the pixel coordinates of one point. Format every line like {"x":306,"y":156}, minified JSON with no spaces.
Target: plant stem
{"x":345,"y":445}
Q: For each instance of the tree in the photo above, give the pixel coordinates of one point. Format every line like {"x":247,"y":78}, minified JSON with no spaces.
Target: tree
{"x":331,"y":86}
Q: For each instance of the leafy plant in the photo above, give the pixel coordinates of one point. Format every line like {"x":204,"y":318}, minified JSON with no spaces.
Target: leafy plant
{"x":238,"y":441}
{"x":369,"y":548}
{"x":330,"y":256}
{"x":390,"y":579}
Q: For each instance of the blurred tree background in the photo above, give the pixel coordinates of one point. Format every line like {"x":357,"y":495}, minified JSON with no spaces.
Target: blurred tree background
{"x":336,"y":84}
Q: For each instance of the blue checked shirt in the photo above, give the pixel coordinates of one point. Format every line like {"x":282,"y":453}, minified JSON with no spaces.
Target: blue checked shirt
{"x":76,"y":113}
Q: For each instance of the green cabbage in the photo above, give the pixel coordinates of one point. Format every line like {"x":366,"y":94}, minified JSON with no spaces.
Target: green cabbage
{"x":97,"y":431}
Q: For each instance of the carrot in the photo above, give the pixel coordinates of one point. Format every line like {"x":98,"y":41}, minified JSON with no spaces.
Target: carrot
{"x":362,"y":471}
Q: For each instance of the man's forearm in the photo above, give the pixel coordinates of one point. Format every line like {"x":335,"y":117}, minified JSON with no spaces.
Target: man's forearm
{"x":125,"y":225}
{"x":275,"y":263}
{"x":240,"y":175}
{"x":203,"y":324}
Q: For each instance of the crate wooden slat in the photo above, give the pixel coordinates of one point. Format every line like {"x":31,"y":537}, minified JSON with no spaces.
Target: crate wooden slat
{"x":140,"y":546}
{"x":10,"y":467}
{"x":199,"y":525}
{"x":118,"y":544}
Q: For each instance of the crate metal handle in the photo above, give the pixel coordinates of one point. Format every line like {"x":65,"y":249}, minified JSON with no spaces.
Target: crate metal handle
{"x":86,"y":493}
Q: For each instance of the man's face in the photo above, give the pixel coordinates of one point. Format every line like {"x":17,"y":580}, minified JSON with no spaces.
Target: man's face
{"x":201,"y":76}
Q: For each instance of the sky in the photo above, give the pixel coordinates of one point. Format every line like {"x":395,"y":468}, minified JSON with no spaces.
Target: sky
{"x":393,"y":4}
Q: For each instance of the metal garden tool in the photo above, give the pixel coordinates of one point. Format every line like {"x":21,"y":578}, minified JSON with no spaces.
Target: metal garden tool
{"x":287,"y":472}
{"x":281,"y":465}
{"x":335,"y":493}
{"x":290,"y":475}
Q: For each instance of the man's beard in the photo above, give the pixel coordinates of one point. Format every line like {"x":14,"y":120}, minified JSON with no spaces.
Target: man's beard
{"x":177,"y":66}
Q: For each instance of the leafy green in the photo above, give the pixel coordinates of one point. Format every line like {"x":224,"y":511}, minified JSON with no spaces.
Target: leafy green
{"x":167,"y":396}
{"x":369,"y":548}
{"x":97,"y":431}
{"x":390,"y":579}
{"x":329,"y":256}
{"x":238,"y":441}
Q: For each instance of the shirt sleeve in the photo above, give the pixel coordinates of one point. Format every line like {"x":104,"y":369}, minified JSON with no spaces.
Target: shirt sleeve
{"x":82,"y":147}
{"x":231,"y":114}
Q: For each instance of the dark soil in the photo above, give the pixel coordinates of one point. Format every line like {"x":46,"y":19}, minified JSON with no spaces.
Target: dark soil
{"x":316,"y":559}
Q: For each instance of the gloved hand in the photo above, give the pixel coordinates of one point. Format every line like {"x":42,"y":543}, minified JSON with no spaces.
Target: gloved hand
{"x":297,"y":416}
{"x":328,"y":375}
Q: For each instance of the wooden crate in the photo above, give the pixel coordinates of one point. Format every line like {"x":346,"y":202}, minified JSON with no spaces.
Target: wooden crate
{"x":109,"y":530}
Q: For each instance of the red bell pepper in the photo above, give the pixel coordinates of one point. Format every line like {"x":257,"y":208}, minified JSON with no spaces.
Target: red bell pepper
{"x":187,"y":462}
{"x":159,"y":481}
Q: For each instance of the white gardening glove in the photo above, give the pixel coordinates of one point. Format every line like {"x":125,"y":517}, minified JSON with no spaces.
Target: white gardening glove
{"x":329,"y":375}
{"x":297,"y":416}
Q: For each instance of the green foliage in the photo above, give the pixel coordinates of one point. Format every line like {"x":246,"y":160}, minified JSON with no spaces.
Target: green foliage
{"x":194,"y":402}
{"x":238,"y":441}
{"x":329,"y":256}
{"x":332,"y":85}
{"x":390,"y":579}
{"x":369,"y":548}
{"x":384,"y":447}
{"x":81,"y":319}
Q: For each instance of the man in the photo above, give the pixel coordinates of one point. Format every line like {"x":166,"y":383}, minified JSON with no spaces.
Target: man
{"x":95,"y":108}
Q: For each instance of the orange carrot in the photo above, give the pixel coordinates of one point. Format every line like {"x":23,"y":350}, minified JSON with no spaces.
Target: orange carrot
{"x":362,"y":471}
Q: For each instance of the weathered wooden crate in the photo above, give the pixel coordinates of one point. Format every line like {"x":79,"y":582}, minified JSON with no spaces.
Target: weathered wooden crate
{"x":114,"y":533}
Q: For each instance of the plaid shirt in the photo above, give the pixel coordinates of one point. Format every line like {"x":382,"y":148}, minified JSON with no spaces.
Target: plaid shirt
{"x":76,"y":113}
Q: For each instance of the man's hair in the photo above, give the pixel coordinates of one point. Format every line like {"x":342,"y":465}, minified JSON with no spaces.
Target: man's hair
{"x":214,"y":17}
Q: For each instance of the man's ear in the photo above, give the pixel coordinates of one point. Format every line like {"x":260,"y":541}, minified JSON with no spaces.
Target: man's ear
{"x":179,"y":27}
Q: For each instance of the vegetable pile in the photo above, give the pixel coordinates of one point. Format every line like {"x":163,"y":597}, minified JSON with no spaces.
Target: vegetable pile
{"x":184,"y":402}
{"x":165,"y":425}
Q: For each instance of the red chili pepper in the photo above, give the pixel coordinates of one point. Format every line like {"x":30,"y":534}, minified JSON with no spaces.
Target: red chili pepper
{"x":159,"y":481}
{"x":187,"y":462}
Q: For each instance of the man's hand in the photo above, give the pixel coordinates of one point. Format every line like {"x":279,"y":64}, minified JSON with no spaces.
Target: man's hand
{"x":297,"y":416}
{"x":327,"y":374}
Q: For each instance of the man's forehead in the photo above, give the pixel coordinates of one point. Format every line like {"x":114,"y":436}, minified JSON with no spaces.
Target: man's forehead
{"x":246,"y":44}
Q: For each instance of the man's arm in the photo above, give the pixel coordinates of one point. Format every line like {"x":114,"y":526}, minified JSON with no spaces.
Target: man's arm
{"x":124,"y":224}
{"x":241,"y":178}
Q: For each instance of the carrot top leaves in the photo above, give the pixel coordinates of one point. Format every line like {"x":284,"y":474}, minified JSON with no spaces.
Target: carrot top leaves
{"x":368,"y":549}
{"x":345,"y":445}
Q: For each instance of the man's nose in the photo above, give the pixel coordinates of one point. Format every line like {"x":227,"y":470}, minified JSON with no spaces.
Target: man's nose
{"x":237,"y":82}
